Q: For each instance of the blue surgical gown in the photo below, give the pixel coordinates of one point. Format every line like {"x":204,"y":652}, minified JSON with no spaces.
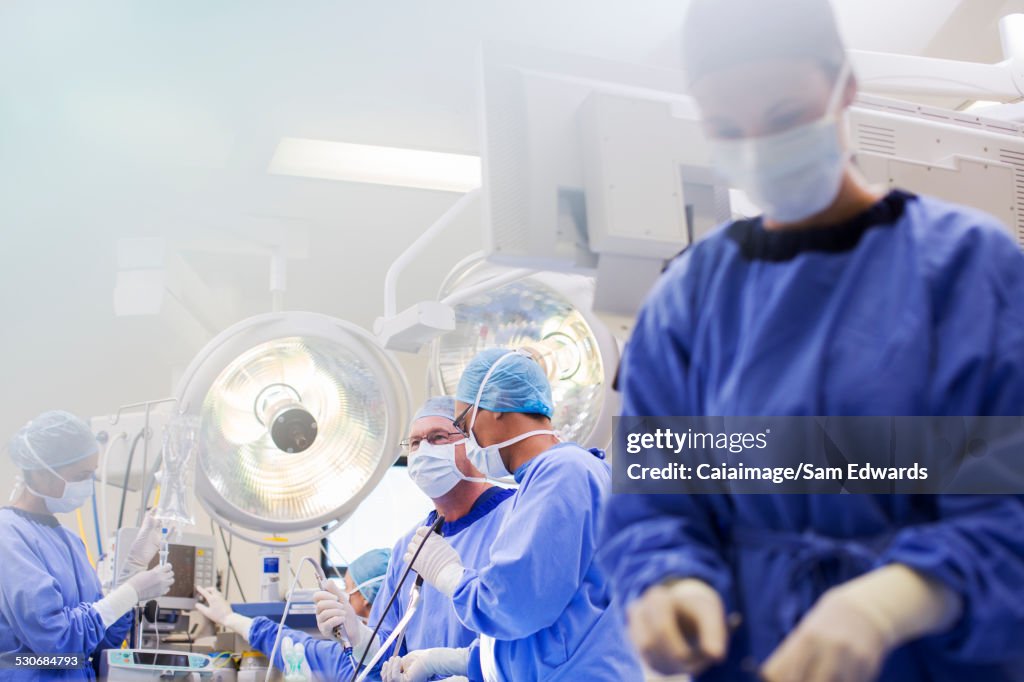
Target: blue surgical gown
{"x":326,"y":659}
{"x":915,"y":307}
{"x":47,"y":589}
{"x":435,"y":623}
{"x":542,"y":599}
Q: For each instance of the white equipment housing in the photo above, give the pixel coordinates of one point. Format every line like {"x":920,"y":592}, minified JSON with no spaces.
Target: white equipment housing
{"x":147,"y":665}
{"x":954,"y":155}
{"x":123,"y":432}
{"x":193,"y":557}
{"x":602,"y":168}
{"x":592,"y":166}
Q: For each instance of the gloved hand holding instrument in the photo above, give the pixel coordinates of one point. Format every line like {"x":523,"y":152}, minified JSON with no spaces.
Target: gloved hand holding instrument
{"x":141,"y":586}
{"x":425,"y":664}
{"x":336,"y":619}
{"x":410,"y":611}
{"x":136,"y":581}
{"x":142,"y":550}
{"x":435,"y":561}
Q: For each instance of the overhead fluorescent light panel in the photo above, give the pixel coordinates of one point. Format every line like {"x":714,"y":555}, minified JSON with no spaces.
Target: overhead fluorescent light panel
{"x":395,"y":166}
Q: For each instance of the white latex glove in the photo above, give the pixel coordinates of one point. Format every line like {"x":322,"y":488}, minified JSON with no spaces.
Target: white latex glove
{"x":141,"y":587}
{"x":679,"y":627}
{"x":438,"y":562}
{"x":334,"y":611}
{"x":216,"y":608}
{"x":219,"y":611}
{"x":153,"y":583}
{"x":143,"y":548}
{"x":851,"y":630}
{"x":420,"y":666}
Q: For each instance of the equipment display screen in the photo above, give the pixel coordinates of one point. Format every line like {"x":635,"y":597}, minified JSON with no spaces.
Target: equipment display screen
{"x":160,"y":658}
{"x":183,"y":559}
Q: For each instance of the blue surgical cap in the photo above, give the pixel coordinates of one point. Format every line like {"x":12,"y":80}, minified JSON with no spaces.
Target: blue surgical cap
{"x":370,"y":568}
{"x":55,"y":438}
{"x":438,"y":406}
{"x":518,"y":383}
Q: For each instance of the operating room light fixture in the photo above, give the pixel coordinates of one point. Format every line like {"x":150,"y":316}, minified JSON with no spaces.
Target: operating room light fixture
{"x":547,"y":314}
{"x":300,"y":416}
{"x":329,"y":160}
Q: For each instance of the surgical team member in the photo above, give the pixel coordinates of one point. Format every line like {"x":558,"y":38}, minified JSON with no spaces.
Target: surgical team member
{"x":541,"y":602}
{"x":50,"y":598}
{"x":473,"y":509}
{"x":325,"y":660}
{"x":839,"y":300}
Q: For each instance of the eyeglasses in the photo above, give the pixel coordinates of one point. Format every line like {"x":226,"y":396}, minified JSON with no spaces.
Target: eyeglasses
{"x":439,"y":437}
{"x":461,"y":418}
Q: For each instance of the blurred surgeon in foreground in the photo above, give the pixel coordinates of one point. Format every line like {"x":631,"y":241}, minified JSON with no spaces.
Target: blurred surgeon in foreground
{"x":50,"y":598}
{"x":839,"y":300}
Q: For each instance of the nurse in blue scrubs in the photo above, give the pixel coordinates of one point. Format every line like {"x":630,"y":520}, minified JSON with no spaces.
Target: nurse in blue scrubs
{"x":50,"y":598}
{"x":839,"y":300}
{"x":324,"y":659}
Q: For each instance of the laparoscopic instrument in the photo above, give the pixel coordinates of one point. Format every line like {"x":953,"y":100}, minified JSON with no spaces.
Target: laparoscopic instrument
{"x":399,"y":630}
{"x":338,"y":633}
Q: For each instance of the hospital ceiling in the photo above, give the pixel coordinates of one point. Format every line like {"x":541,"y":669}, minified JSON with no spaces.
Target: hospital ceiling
{"x":121,"y":120}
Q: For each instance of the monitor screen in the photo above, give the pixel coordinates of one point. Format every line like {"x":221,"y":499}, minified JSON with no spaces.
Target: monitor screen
{"x":183,"y":559}
{"x":161,"y":658}
{"x":395,"y":506}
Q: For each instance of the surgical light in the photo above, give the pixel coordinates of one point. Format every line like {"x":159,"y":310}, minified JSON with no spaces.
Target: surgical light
{"x":300,"y":415}
{"x":292,"y":427}
{"x":548,"y":314}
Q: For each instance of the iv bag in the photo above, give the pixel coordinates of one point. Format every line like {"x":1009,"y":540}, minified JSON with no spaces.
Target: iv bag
{"x":177,"y":472}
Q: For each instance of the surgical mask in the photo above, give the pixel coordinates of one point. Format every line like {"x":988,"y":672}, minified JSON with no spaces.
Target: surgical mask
{"x":488,"y":459}
{"x":792,"y":175}
{"x":76,"y":493}
{"x":432,"y":468}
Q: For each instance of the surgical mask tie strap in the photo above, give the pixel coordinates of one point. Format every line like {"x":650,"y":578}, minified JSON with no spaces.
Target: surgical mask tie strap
{"x":839,"y":89}
{"x":365,"y":583}
{"x":39,"y":459}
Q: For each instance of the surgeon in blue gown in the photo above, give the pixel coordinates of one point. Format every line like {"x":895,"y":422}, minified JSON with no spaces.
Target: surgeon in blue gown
{"x":473,"y":508}
{"x":50,"y":597}
{"x":541,"y":604}
{"x":838,"y":300}
{"x":323,"y":659}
